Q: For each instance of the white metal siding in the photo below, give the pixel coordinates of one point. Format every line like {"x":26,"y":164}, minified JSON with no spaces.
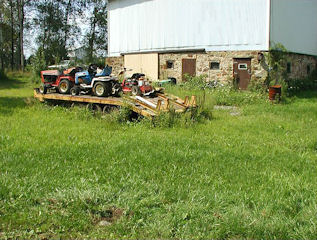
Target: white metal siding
{"x":162,"y":25}
{"x":294,"y":24}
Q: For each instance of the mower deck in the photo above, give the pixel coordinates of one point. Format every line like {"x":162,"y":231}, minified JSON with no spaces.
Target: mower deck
{"x":145,"y":106}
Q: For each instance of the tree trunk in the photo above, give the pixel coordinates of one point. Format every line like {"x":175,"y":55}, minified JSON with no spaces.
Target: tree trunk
{"x":21,"y":28}
{"x":68,"y":8}
{"x":1,"y":42}
{"x":92,"y":37}
{"x":12,"y":35}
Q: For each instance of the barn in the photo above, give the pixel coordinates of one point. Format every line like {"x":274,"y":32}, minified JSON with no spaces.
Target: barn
{"x":220,"y":38}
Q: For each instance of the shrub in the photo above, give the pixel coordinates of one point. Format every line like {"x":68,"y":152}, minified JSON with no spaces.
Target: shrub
{"x":120,"y":115}
{"x":197,"y":82}
{"x":294,"y":86}
{"x":199,"y":114}
{"x":38,"y":64}
{"x":276,"y":60}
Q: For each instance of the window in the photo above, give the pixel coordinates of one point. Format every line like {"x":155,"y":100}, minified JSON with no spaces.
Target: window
{"x":243,"y":66}
{"x":308,"y":69}
{"x":214,"y":65}
{"x":289,"y":67}
{"x":169,"y":64}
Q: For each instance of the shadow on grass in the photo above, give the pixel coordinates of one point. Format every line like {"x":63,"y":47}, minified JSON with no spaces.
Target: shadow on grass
{"x":10,"y":83}
{"x":9,"y":104}
{"x":306,"y":94}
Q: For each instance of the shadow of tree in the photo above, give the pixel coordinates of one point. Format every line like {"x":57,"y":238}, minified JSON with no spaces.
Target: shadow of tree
{"x":9,"y":104}
{"x":10,"y":83}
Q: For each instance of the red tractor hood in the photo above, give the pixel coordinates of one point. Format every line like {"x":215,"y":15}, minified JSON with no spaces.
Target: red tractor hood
{"x":51,"y":72}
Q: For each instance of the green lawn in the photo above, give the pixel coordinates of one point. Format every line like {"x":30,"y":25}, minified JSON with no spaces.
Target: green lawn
{"x":63,"y":172}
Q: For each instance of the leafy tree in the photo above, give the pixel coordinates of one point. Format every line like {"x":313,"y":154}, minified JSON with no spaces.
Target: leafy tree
{"x":96,"y":39}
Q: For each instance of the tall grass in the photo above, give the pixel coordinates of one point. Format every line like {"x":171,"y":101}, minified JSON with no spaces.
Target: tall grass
{"x":66,"y":173}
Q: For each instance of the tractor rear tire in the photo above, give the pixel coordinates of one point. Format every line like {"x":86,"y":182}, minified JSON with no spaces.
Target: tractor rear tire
{"x":117,"y":89}
{"x":102,"y":89}
{"x":64,"y":86}
{"x":74,"y":91}
{"x":136,"y":91}
{"x":43,"y":89}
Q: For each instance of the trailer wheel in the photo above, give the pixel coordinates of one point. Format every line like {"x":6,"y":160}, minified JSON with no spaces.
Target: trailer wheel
{"x":136,"y":91}
{"x":64,"y":86}
{"x":43,"y":89}
{"x":97,"y":108}
{"x":102,"y":89}
{"x":74,"y":91}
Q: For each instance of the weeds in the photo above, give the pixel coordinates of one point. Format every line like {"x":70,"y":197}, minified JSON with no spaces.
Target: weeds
{"x":63,"y":171}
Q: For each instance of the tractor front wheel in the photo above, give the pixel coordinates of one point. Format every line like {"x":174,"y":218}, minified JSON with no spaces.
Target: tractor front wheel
{"x":43,"y":89}
{"x":64,"y":86}
{"x":74,"y":91}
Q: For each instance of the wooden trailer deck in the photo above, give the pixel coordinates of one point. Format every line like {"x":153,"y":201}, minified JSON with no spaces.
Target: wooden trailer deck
{"x":145,"y":106}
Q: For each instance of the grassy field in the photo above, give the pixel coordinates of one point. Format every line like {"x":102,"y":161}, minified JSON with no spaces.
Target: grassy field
{"x":67,"y":174}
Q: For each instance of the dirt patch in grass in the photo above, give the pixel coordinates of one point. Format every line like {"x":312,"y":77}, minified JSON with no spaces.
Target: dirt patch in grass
{"x":108,"y":216}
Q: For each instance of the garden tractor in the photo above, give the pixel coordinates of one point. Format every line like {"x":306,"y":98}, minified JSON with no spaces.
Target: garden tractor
{"x":59,"y":81}
{"x":137,"y":85}
{"x":97,"y":81}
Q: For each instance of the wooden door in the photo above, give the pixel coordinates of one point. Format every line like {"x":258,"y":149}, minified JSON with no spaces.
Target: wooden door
{"x":242,"y":72}
{"x":188,"y":67}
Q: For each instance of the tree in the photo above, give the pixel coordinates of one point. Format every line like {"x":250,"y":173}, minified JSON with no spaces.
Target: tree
{"x":12,"y":33}
{"x":20,"y":5}
{"x":96,"y":38}
{"x":8,"y":32}
{"x":55,"y":28}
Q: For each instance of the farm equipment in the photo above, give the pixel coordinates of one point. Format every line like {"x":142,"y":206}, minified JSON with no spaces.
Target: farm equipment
{"x":97,"y":81}
{"x":59,"y":81}
{"x":137,"y":85}
{"x":169,"y":81}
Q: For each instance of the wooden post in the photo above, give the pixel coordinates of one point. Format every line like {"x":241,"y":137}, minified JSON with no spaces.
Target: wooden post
{"x":186,"y":101}
{"x":193,"y":102}
{"x":166,"y":104}
{"x":159,"y":105}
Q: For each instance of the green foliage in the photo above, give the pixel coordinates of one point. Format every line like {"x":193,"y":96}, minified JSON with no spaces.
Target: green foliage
{"x":121,"y":115}
{"x":223,"y":95}
{"x":38,"y":64}
{"x":197,"y":82}
{"x":296,"y":85}
{"x":277,"y":59}
{"x":56,"y":33}
{"x":95,"y":42}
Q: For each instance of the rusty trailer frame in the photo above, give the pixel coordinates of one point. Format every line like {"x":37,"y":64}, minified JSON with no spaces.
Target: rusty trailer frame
{"x":145,"y":106}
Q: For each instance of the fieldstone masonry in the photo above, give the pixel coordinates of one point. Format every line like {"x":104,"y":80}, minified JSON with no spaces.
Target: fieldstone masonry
{"x":299,"y":65}
{"x":203,"y":60}
{"x":117,"y":64}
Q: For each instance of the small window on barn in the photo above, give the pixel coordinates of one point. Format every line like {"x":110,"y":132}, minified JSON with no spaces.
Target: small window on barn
{"x":169,"y":64}
{"x":289,"y":67}
{"x":214,"y":65}
{"x":243,"y":66}
{"x":308,"y":69}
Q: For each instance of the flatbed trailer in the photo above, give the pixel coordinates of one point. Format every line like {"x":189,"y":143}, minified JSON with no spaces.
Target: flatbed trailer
{"x":145,"y":106}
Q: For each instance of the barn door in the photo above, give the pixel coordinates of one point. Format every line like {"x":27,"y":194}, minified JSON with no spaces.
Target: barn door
{"x":242,"y":72}
{"x":188,"y":67}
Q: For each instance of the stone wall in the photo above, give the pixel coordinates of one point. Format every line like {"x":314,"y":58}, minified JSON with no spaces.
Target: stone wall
{"x":300,"y":64}
{"x":117,"y":64}
{"x":203,"y":60}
